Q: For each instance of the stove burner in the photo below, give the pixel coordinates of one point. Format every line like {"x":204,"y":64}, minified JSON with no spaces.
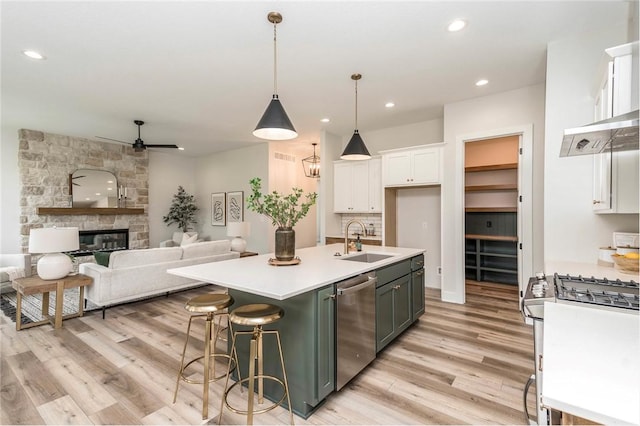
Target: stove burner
{"x":617,"y":293}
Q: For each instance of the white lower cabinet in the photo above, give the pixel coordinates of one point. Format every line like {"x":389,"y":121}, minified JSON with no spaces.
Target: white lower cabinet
{"x":615,"y":182}
{"x":412,"y":167}
{"x":357,"y":186}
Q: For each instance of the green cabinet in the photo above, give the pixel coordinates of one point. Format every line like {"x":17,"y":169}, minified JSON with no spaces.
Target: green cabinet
{"x":417,"y":294}
{"x":393,"y":310}
{"x":307,"y":331}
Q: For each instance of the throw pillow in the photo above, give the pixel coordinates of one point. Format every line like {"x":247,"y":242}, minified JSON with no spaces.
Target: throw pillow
{"x":102,"y":257}
{"x":189,"y":238}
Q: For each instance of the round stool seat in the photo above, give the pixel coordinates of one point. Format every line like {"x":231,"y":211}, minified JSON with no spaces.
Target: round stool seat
{"x":207,"y":303}
{"x":256,"y":314}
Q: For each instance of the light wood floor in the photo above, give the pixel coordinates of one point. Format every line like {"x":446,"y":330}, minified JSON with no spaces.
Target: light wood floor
{"x":460,"y":364}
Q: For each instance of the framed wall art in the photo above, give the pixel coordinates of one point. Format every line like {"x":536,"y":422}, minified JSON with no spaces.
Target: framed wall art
{"x":235,"y":206}
{"x":218,"y":209}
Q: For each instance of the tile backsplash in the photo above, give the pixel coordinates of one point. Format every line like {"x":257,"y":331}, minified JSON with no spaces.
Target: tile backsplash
{"x":367,"y":219}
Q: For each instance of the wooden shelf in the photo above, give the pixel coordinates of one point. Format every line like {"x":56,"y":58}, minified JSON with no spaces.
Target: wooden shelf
{"x":492,"y":209}
{"x":484,"y":188}
{"x":508,"y":166}
{"x":491,"y":237}
{"x":62,"y":211}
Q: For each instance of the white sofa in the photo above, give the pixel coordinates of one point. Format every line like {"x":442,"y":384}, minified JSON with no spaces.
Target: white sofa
{"x":176,"y":239}
{"x":18,"y":265}
{"x":136,"y":274}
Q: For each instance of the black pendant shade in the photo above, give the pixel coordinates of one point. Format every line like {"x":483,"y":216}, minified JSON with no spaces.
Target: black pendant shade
{"x":356,"y":149}
{"x":275,"y":123}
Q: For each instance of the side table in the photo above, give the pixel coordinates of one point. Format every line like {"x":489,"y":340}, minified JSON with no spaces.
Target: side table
{"x":36,"y":285}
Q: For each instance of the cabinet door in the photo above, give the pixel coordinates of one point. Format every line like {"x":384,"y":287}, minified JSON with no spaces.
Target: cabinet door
{"x":326,"y":342}
{"x":375,"y":186}
{"x":426,"y":166}
{"x":402,"y":303}
{"x":602,"y":182}
{"x":397,"y":169}
{"x":417,"y":294}
{"x":360,"y":187}
{"x":385,"y":329}
{"x":342,"y":187}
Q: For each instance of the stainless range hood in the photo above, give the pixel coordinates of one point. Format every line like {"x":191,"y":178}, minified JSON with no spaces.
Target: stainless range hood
{"x":618,"y":133}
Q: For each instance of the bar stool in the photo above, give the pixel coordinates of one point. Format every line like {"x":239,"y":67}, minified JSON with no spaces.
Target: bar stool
{"x":210,"y":307}
{"x":256,"y":315}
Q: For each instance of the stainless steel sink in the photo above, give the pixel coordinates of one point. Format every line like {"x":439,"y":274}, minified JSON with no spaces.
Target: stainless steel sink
{"x":367,"y":257}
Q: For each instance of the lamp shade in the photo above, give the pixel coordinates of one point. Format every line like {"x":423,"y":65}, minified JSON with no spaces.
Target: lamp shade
{"x":275,"y":124}
{"x":53,"y":240}
{"x":356,"y":149}
{"x":239,"y":230}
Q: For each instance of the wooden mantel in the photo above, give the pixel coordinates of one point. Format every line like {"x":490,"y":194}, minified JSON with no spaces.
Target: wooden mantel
{"x":60,"y":211}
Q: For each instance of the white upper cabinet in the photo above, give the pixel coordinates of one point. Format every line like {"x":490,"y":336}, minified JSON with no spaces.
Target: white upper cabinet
{"x":411,"y":167}
{"x":357,"y":186}
{"x":615,"y":176}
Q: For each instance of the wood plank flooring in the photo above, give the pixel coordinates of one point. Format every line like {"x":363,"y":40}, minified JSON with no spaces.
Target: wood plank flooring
{"x":460,"y":364}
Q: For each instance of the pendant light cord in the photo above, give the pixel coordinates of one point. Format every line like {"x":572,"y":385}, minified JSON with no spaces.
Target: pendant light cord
{"x":356,"y":104}
{"x":275,"y":60}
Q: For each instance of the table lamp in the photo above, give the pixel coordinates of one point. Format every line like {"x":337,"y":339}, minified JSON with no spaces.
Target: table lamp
{"x":51,"y":242}
{"x":239,"y":230}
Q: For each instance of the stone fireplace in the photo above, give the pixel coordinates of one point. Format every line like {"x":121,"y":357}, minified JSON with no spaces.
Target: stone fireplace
{"x":45,"y":162}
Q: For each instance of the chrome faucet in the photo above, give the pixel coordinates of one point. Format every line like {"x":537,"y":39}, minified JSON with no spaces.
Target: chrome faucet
{"x":346,"y":233}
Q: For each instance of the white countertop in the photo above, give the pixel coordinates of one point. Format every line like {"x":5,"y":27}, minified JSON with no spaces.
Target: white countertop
{"x":590,"y":365}
{"x":318,"y":268}
{"x":588,"y":270}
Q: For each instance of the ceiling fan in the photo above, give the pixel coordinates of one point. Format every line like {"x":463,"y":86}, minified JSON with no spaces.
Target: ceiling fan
{"x":139,"y":145}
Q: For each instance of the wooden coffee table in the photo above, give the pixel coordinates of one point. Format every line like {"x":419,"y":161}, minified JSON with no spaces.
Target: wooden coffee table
{"x":36,"y":285}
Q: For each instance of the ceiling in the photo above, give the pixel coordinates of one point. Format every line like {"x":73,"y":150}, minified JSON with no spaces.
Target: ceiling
{"x":200,"y":74}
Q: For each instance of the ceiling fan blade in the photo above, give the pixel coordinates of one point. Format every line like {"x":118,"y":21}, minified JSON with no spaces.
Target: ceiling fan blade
{"x":115,"y":140}
{"x":160,"y":146}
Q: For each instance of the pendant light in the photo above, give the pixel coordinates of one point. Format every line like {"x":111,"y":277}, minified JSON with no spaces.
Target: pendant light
{"x":311,"y":165}
{"x":275,"y":124}
{"x":356,"y":149}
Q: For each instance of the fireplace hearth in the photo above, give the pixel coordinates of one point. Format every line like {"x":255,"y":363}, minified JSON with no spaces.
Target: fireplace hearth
{"x":106,"y":240}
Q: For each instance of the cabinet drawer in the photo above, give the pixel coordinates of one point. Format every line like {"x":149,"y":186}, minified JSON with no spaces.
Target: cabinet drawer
{"x":417,"y":262}
{"x":392,"y":272}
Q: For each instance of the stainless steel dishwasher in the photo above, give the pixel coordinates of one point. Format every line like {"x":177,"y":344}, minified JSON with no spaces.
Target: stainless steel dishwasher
{"x":355,"y":326}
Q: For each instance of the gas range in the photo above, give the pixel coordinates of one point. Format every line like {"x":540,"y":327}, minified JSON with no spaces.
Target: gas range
{"x":578,"y":289}
{"x":599,"y":293}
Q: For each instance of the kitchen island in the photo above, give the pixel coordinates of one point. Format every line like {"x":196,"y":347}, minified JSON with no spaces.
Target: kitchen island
{"x":307,"y":294}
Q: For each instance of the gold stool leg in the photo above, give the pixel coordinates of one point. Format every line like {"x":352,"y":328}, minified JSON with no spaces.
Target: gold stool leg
{"x":260,"y":368}
{"x":207,"y":360}
{"x":181,"y":369}
{"x":252,"y":375}
{"x":284,"y":375}
{"x":226,"y":382}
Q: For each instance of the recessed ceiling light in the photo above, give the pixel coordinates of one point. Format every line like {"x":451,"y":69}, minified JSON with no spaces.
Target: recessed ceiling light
{"x":325,"y":120}
{"x":456,"y":25}
{"x":180,"y":148}
{"x":389,"y":105}
{"x":109,"y":189}
{"x":482,"y":82}
{"x":33,"y":54}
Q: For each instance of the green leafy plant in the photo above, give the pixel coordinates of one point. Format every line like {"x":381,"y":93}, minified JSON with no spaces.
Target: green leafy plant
{"x":182,"y":211}
{"x":283,"y":210}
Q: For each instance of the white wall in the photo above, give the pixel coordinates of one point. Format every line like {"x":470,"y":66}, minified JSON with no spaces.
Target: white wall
{"x":418,"y":226}
{"x":284,"y":175}
{"x":167,"y":171}
{"x":231,"y":171}
{"x":572,"y":231}
{"x":515,"y":108}
{"x":10,"y":192}
{"x":330,"y":150}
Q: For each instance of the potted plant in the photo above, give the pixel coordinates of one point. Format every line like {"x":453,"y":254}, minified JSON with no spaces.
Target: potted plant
{"x":182,"y":211}
{"x":284,"y":211}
